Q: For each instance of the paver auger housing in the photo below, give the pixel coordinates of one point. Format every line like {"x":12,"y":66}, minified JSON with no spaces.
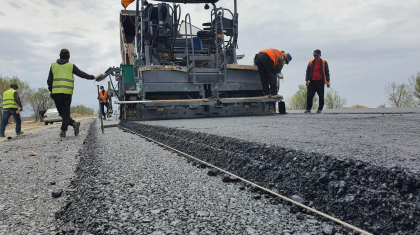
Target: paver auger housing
{"x":172,"y":69}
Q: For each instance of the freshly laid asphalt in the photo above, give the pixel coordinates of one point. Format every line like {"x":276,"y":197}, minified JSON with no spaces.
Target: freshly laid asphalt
{"x":384,"y":137}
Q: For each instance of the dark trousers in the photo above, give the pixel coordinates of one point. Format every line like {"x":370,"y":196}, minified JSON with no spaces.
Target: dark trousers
{"x":6,"y":115}
{"x":63,"y":103}
{"x":315,"y":87}
{"x":268,"y":74}
{"x":103,"y":105}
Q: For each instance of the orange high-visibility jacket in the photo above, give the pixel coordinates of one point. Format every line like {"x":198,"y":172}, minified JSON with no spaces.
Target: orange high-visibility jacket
{"x":103,"y":96}
{"x":323,"y":68}
{"x":274,"y":55}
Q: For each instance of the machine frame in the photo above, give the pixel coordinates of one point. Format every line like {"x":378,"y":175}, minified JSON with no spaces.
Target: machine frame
{"x":182,"y":71}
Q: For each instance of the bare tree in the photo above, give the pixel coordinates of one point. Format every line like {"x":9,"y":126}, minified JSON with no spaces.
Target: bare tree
{"x":40,"y":100}
{"x":298,"y":100}
{"x":382,"y":106}
{"x":414,"y":88}
{"x":398,"y":95}
{"x":333,"y":100}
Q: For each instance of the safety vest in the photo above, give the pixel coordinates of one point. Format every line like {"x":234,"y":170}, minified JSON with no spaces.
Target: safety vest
{"x":274,"y":55}
{"x":9,"y":99}
{"x":103,"y":96}
{"x":323,"y":68}
{"x":63,"y":80}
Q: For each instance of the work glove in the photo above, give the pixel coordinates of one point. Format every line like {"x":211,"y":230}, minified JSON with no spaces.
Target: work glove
{"x":99,"y":76}
{"x":328,"y":84}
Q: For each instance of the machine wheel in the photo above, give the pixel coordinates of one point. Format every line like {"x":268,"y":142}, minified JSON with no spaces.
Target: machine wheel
{"x":282,"y":107}
{"x":46,"y":123}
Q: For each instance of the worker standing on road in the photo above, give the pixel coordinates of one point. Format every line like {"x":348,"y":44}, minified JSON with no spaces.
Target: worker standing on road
{"x":317,"y":75}
{"x":11,"y":107}
{"x":61,"y":85}
{"x":103,"y":98}
{"x":270,"y":62}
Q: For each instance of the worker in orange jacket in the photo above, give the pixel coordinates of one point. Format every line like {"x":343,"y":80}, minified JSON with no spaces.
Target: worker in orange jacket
{"x":317,"y":76}
{"x":270,"y":62}
{"x":103,"y":98}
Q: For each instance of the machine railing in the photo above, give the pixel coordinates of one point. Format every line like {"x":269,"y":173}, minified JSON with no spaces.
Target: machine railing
{"x":219,"y":28}
{"x":221,"y":45}
{"x":188,"y":17}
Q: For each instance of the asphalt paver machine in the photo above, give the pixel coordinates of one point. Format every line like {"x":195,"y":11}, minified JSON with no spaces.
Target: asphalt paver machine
{"x":172,"y":69}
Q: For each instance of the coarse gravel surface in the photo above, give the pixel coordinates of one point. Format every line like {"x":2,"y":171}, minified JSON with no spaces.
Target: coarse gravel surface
{"x":384,"y":137}
{"x":127,"y":185}
{"x":28,"y":182}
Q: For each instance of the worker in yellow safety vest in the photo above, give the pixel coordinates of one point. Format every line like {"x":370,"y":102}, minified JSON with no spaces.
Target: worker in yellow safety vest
{"x":61,"y":85}
{"x":11,"y":107}
{"x":103,"y":99}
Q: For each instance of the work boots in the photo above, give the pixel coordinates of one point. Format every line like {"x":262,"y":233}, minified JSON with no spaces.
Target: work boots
{"x":76,"y":126}
{"x":63,"y":134}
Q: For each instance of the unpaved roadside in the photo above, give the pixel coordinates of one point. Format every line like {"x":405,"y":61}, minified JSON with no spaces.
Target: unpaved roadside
{"x":27,"y":182}
{"x":32,"y":127}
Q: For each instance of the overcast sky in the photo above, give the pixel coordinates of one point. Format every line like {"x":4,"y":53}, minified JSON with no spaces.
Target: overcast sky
{"x":367,"y":44}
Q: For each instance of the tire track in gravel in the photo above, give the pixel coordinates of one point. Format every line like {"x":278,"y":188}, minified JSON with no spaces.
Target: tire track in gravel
{"x":380,"y":200}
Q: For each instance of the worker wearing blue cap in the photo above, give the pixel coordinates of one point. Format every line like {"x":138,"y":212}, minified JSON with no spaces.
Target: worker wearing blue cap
{"x":270,"y":62}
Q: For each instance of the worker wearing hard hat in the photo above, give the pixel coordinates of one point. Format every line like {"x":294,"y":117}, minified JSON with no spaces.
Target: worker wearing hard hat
{"x":11,"y":107}
{"x":103,"y":99}
{"x":61,"y":85}
{"x":317,"y":76}
{"x":270,"y":62}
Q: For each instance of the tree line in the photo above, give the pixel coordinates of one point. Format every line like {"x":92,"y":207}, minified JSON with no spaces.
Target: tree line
{"x":36,"y":99}
{"x":398,"y":95}
{"x":404,"y":94}
{"x":332,"y":100}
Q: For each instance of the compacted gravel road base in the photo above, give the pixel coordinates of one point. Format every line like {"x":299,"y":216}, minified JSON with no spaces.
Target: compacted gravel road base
{"x":127,"y":185}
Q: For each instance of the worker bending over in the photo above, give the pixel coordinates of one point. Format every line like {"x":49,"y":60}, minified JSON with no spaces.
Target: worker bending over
{"x":61,"y":85}
{"x":270,"y":62}
{"x":103,"y":98}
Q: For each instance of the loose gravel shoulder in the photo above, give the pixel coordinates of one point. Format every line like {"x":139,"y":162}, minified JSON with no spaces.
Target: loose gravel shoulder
{"x":28,"y":182}
{"x":126,"y":185}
